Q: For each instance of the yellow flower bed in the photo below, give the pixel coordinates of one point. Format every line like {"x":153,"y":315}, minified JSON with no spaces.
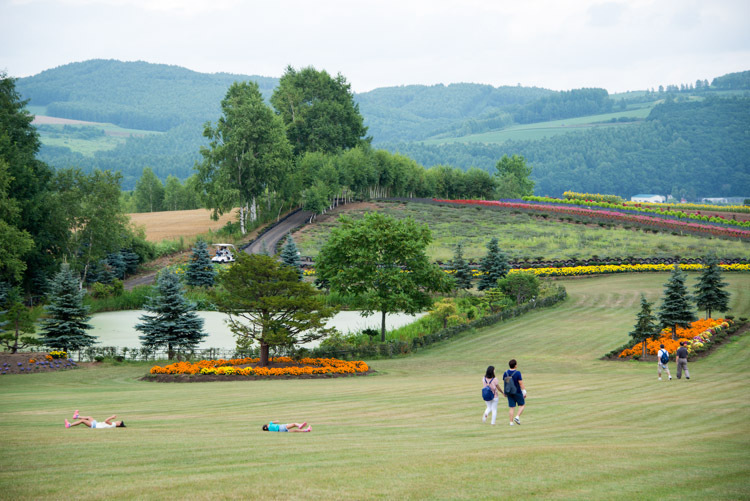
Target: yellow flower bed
{"x":696,"y":336}
{"x":231,"y":367}
{"x":569,"y":271}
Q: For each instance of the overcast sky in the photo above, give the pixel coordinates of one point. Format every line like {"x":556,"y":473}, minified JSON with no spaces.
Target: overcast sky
{"x":557,"y":44}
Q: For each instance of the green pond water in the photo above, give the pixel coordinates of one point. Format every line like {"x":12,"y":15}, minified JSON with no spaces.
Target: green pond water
{"x":117,"y":328}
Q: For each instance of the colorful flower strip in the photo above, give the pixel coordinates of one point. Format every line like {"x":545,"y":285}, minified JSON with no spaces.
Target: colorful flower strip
{"x":232,"y":367}
{"x":573,"y":271}
{"x":697,"y":336}
{"x":631,"y":207}
{"x":611,"y":216}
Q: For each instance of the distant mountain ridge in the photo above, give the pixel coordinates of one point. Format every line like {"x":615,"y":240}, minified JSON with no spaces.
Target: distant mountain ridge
{"x":177,"y":102}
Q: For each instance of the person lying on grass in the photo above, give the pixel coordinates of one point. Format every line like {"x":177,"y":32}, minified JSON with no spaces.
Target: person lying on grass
{"x":298,"y":427}
{"x":93,"y":423}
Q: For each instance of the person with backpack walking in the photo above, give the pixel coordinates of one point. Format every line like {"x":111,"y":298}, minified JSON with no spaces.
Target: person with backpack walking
{"x":490,"y":393}
{"x":662,"y":360}
{"x":681,"y":355}
{"x":515,"y":390}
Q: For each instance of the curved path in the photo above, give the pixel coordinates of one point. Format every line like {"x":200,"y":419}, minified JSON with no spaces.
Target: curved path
{"x":279,"y":231}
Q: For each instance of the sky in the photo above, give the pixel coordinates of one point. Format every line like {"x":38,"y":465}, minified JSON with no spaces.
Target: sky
{"x":556,"y":44}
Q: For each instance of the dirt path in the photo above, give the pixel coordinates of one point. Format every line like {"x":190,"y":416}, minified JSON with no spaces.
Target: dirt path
{"x":279,"y":231}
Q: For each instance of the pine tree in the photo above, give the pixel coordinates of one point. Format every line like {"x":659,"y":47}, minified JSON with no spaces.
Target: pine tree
{"x":200,"y":271}
{"x":290,"y":255}
{"x":675,"y":308}
{"x":105,"y":274}
{"x":131,"y":261}
{"x":645,"y":325}
{"x":494,"y":266}
{"x":175,"y":324}
{"x":461,"y":269}
{"x":709,"y":291}
{"x":66,"y":323}
{"x":117,"y":264}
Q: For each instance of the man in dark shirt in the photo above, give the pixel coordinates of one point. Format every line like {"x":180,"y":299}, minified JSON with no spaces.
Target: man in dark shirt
{"x":682,"y":354}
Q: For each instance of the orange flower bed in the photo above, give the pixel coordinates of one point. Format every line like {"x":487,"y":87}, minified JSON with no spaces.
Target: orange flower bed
{"x":697,"y":335}
{"x":232,"y":367}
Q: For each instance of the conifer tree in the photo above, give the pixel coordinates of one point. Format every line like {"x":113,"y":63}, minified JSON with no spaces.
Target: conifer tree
{"x":105,"y":274}
{"x":461,"y":269}
{"x":200,"y":272}
{"x":174,"y":323}
{"x":290,"y":255}
{"x":675,"y":308}
{"x":494,"y":266}
{"x":645,"y":325}
{"x":117,"y":264}
{"x":67,"y":318}
{"x":709,"y":291}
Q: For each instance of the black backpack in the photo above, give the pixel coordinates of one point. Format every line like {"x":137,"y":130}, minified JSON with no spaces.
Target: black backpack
{"x":510,"y":385}
{"x":487,"y":394}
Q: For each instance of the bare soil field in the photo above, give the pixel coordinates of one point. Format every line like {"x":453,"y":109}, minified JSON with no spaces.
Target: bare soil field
{"x":170,"y":225}
{"x":45,"y":120}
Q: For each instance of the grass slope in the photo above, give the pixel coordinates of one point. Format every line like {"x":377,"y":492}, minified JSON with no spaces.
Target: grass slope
{"x":541,"y":130}
{"x":523,"y":236}
{"x":592,"y":429}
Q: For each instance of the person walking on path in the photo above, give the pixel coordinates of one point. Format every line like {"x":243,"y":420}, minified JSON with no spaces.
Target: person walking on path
{"x":662,"y":359}
{"x":93,"y":423}
{"x":490,"y":381}
{"x":515,"y":390}
{"x":292,"y":427}
{"x":681,"y":354}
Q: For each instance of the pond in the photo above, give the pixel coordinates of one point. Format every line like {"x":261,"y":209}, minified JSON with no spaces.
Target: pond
{"x":117,"y":328}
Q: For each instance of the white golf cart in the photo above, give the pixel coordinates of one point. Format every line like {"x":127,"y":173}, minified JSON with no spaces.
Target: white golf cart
{"x":224,"y":253}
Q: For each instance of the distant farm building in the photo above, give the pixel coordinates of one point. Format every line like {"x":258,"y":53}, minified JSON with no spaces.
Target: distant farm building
{"x":718,"y":200}
{"x":653,"y":199}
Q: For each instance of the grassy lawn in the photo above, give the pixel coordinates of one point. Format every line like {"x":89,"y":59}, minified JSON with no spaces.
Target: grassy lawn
{"x":522,"y":235}
{"x":592,"y":429}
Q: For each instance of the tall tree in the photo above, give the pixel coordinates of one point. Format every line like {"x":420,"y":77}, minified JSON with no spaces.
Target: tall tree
{"x":382,"y":262}
{"x":267,"y":303}
{"x":290,"y":256}
{"x":645,"y":326}
{"x":493,"y":266}
{"x":248,"y":154}
{"x":27,"y":219}
{"x":461,"y":269}
{"x":709,"y":291}
{"x":94,"y":223}
{"x":675,"y":308}
{"x":318,"y":110}
{"x":513,"y":177}
{"x":67,"y":318}
{"x":174,"y":324}
{"x":200,"y":271}
{"x":149,"y":192}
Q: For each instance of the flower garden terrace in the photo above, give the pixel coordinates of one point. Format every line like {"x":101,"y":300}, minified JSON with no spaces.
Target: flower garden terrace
{"x":621,"y":216}
{"x":243,"y":367}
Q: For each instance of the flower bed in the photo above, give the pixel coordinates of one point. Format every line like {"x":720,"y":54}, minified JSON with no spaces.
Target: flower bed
{"x":612,"y":215}
{"x":659,"y":210}
{"x":574,"y":271}
{"x":245,"y":367}
{"x":698,"y":336}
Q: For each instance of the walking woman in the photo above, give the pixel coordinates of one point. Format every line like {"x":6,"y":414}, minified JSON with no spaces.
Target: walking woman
{"x":490,"y":381}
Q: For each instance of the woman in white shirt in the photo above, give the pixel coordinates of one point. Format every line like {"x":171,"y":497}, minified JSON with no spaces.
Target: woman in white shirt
{"x":93,"y":423}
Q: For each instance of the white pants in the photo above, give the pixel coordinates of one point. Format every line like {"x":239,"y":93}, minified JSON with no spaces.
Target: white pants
{"x":492,"y":406}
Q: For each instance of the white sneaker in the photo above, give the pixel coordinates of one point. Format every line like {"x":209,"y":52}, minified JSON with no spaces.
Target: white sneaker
{"x":659,"y":379}
{"x":512,"y":423}
{"x":517,"y":420}
{"x":670,"y":378}
{"x":484,"y":418}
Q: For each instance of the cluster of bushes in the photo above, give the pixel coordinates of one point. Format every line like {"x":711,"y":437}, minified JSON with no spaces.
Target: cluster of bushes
{"x":364,"y":344}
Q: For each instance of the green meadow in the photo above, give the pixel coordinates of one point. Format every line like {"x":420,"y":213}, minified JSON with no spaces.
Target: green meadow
{"x":592,"y":429}
{"x":541,"y":130}
{"x":524,"y":236}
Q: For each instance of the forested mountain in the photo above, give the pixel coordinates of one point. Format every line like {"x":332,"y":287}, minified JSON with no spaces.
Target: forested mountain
{"x":135,"y":95}
{"x":695,"y":147}
{"x":691,"y":149}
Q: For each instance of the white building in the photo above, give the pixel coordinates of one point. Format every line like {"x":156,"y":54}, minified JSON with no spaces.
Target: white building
{"x":647,"y":198}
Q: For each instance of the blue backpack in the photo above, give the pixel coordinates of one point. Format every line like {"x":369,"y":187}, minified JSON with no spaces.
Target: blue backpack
{"x":664,"y":357}
{"x":487,"y":394}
